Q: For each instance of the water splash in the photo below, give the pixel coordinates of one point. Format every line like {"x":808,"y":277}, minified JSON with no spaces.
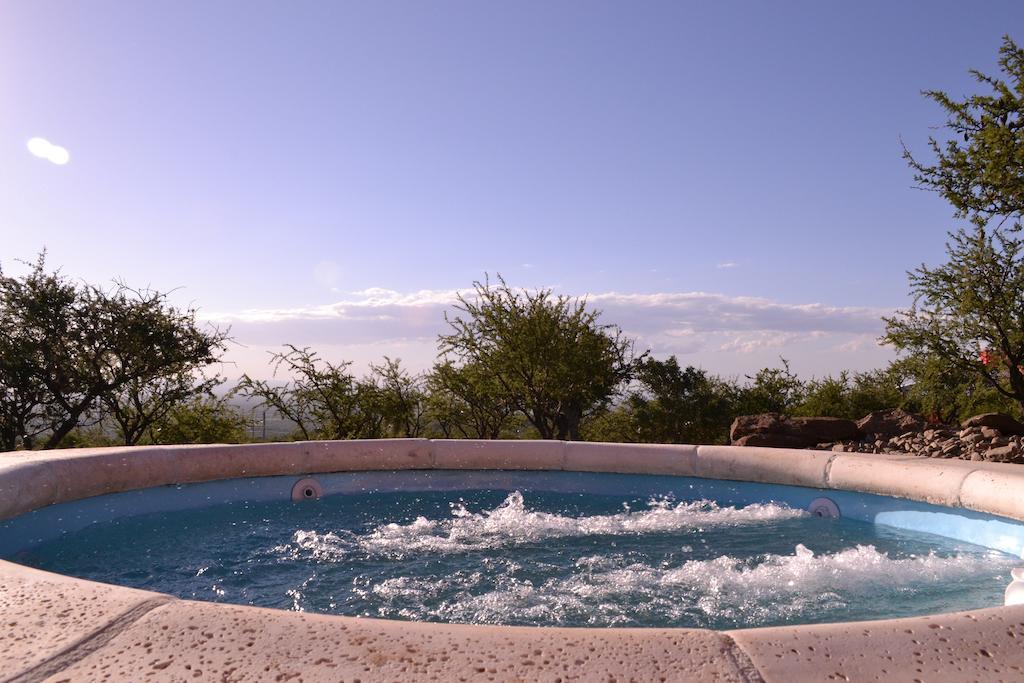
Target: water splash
{"x":511,"y":523}
{"x":609,"y":590}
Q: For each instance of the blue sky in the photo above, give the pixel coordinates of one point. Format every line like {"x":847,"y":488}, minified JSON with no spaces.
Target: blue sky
{"x":723,"y":179}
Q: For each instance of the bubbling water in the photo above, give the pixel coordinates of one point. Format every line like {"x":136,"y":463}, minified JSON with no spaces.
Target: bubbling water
{"x":611,"y":590}
{"x":511,"y":524}
{"x":538,"y":559}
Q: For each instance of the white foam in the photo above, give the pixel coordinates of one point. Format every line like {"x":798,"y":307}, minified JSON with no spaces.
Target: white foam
{"x":511,"y":523}
{"x":608,"y":590}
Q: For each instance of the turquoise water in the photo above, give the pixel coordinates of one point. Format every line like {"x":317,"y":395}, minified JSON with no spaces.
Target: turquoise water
{"x":532,"y":558}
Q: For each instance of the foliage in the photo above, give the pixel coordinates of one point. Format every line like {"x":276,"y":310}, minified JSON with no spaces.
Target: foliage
{"x":615,"y":424}
{"x":139,"y":404}
{"x":202,"y":419}
{"x":979,"y":169}
{"x":771,"y":390}
{"x":401,"y":399}
{"x":969,"y":312}
{"x":465,"y":401}
{"x":321,"y":400}
{"x":850,"y":396}
{"x":552,"y":359}
{"x":67,"y":349}
{"x":325,"y":401}
{"x":944,"y":392}
{"x":966,"y":325}
{"x":675,"y":405}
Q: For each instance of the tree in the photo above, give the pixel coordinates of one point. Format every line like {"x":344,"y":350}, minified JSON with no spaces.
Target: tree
{"x":850,"y":396}
{"x":465,"y":401}
{"x":979,"y":169}
{"x":140,"y":404}
{"x":203,"y":419}
{"x":552,"y":359}
{"x":969,"y":312}
{"x":945,"y":392}
{"x":23,"y":399}
{"x":400,"y":397}
{"x":67,"y":347}
{"x":325,"y":401}
{"x":676,"y":405}
{"x":320,"y":400}
{"x":771,"y":390}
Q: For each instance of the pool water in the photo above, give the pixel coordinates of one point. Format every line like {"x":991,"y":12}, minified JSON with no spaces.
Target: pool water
{"x":532,"y":558}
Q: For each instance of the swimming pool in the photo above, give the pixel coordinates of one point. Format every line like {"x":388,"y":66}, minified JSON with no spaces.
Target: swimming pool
{"x":59,"y":624}
{"x":529,"y":548}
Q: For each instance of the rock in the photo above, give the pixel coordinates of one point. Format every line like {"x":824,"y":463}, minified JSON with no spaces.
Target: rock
{"x":799,"y":432}
{"x":822,"y":428}
{"x":772,"y":441}
{"x":763,"y":423}
{"x":990,"y":433}
{"x":1001,"y":454}
{"x":1004,"y":423}
{"x":891,"y":422}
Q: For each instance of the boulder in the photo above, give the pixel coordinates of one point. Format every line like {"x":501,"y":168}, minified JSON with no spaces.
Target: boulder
{"x":772,"y":441}
{"x":891,"y":422}
{"x":764,"y":423}
{"x":1004,"y":423}
{"x":1002,"y":454}
{"x":774,"y":430}
{"x":822,"y":428}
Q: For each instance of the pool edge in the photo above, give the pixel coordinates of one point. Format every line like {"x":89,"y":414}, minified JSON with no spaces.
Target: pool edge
{"x":980,"y":643}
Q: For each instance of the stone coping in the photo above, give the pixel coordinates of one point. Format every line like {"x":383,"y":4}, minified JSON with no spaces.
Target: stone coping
{"x":61,"y":628}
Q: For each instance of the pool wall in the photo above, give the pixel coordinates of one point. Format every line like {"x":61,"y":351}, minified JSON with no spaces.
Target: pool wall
{"x":57,"y":626}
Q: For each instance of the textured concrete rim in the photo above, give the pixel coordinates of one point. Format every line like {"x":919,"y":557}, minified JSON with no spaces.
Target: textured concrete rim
{"x":71,"y":629}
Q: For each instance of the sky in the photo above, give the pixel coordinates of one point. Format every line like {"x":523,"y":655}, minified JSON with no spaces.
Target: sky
{"x":722,"y":179}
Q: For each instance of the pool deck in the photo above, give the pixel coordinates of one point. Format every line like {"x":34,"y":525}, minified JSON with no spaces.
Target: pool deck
{"x":57,"y":628}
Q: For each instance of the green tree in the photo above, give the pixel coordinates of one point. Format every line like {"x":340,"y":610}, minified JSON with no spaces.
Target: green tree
{"x":467,"y":402}
{"x":675,"y":405}
{"x":551,"y":357}
{"x":325,"y":400}
{"x":979,"y":167}
{"x":967,"y":318}
{"x":850,"y":395}
{"x":322,"y":399}
{"x":67,"y":348}
{"x":400,"y":396}
{"x":139,"y":404}
{"x":969,"y":312}
{"x":615,"y":424}
{"x":771,"y":390}
{"x":946,"y":392}
{"x":202,"y":419}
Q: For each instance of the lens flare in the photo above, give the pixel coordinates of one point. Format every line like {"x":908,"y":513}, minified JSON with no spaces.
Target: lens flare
{"x":44,"y":149}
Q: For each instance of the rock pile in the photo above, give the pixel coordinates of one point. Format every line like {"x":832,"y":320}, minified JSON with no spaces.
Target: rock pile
{"x":990,"y":436}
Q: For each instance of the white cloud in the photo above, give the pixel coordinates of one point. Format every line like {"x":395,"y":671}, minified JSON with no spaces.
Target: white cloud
{"x":723,"y":333}
{"x":44,"y":149}
{"x":727,"y":264}
{"x":768,"y":339}
{"x":859,"y":343}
